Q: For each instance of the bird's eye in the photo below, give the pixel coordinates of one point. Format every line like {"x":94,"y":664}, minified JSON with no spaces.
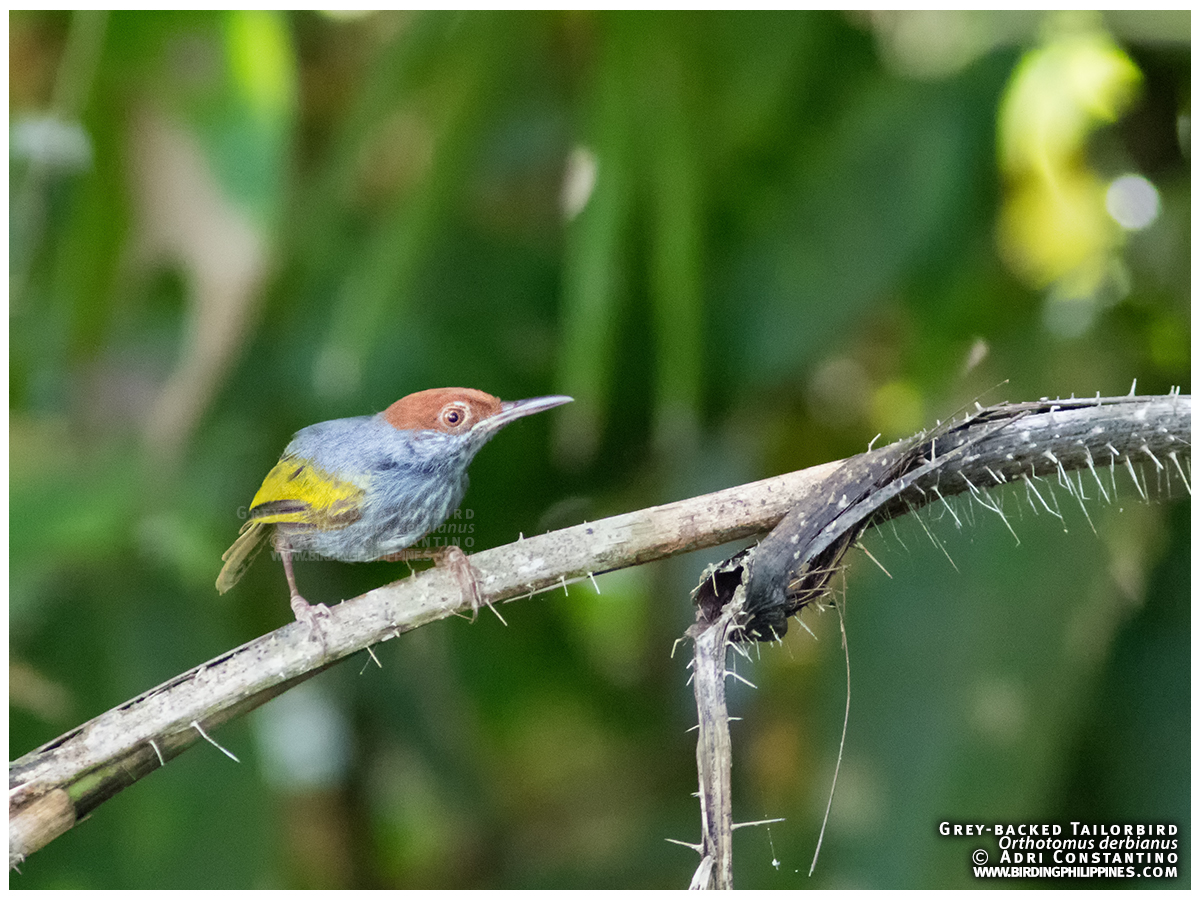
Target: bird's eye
{"x":453,"y":416}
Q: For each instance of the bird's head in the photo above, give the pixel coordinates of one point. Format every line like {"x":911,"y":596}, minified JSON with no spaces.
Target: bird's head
{"x":465,"y":413}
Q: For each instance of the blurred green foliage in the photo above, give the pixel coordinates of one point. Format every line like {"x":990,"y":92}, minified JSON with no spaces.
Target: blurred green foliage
{"x":746,"y":243}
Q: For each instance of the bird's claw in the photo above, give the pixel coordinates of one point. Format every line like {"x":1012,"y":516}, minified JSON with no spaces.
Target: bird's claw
{"x":311,"y":614}
{"x":452,"y":557}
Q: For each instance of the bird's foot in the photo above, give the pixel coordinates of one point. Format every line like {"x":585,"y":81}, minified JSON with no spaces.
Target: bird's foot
{"x":451,"y":557}
{"x":456,"y":561}
{"x":311,"y":614}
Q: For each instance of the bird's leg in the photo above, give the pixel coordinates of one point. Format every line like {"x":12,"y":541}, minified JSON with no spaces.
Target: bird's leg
{"x":304,"y":611}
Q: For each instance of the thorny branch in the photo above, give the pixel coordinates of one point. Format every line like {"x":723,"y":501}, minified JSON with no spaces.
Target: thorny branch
{"x":750,"y":596}
{"x":54,"y":786}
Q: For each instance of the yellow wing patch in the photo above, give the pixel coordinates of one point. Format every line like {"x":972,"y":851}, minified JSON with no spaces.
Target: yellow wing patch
{"x":293,"y":492}
{"x":299,"y":493}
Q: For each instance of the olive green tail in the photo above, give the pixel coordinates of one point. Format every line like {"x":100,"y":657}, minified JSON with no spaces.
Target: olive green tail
{"x":237,"y":558}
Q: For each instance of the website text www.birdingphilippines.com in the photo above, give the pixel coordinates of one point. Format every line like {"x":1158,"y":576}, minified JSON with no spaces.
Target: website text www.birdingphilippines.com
{"x":1081,"y":850}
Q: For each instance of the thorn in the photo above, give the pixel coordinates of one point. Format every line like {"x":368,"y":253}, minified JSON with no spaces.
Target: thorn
{"x":1031,"y":487}
{"x":196,"y":725}
{"x":933,"y":540}
{"x":1133,"y":475}
{"x":158,"y":753}
{"x":1079,"y":496}
{"x":1099,"y":483}
{"x":994,"y":506}
{"x":496,"y":611}
{"x":729,"y":672}
{"x":1058,"y":465}
{"x":1175,"y":459}
{"x":737,"y":825}
{"x":957,"y":521}
{"x":594,"y":585}
{"x":1053,"y":496}
{"x":563,"y":580}
{"x":1146,"y":449}
{"x":970,"y":485}
{"x":871,"y":557}
{"x":873,"y":440}
{"x":374,"y":657}
{"x":968,"y":513}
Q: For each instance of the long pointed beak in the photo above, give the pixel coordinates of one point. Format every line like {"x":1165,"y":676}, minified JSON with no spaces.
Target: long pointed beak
{"x":511,"y":410}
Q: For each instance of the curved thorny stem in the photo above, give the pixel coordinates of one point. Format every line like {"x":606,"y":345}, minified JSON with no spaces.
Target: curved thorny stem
{"x":1064,"y":444}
